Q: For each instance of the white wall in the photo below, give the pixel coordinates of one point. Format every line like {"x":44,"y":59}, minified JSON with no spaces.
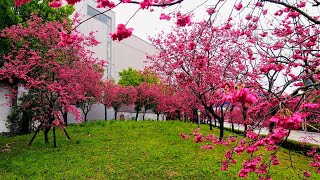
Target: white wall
{"x":5,"y":109}
{"x":131,"y":52}
{"x":100,"y":29}
{"x":148,"y":116}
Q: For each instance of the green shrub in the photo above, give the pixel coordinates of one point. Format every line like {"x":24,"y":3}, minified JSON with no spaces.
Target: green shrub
{"x":20,"y":120}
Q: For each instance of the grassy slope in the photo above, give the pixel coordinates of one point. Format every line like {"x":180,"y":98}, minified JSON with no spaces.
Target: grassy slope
{"x":125,"y":150}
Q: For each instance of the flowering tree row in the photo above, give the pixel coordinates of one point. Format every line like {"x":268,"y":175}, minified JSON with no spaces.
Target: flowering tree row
{"x":246,"y":73}
{"x":258,"y":66}
{"x":158,"y":97}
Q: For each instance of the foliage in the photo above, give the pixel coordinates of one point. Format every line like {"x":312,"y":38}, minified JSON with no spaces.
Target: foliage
{"x":130,"y":77}
{"x":13,"y":15}
{"x":20,"y":120}
{"x":133,"y":77}
{"x":126,"y":150}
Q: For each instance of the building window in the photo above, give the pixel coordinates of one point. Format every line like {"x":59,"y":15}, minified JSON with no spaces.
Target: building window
{"x":101,"y":17}
{"x":109,"y":21}
{"x":108,"y":50}
{"x":91,"y":11}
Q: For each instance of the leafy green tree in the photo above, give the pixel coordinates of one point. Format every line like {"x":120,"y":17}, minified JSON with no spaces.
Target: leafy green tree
{"x":133,"y":77}
{"x":130,"y":77}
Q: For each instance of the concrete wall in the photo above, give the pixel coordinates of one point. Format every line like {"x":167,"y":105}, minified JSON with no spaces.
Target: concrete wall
{"x":148,"y":116}
{"x":5,"y":109}
{"x":96,"y":113}
{"x":101,"y":33}
{"x":131,"y":52}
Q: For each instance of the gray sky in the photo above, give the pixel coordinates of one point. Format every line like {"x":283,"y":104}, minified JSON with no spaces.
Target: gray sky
{"x":148,"y":23}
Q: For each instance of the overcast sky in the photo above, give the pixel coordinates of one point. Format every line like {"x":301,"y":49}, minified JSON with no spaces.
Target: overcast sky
{"x":147,"y":23}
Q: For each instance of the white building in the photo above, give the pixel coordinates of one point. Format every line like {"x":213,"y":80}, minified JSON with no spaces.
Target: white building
{"x":130,"y":52}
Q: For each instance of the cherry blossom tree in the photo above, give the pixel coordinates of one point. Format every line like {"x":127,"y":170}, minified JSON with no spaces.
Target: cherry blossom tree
{"x":116,"y":95}
{"x":41,"y":60}
{"x":198,"y":61}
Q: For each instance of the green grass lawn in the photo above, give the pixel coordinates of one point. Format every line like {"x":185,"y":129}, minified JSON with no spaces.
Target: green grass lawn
{"x":127,"y":150}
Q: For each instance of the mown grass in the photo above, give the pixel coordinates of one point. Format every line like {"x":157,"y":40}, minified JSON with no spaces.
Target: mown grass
{"x":127,"y":150}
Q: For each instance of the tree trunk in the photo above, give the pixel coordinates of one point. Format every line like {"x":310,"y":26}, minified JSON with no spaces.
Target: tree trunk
{"x":271,"y":126}
{"x":137,"y":114}
{"x":210,"y":124}
{"x":221,"y":128}
{"x":232,"y":126}
{"x":144,"y":113}
{"x":35,"y":134}
{"x":54,"y":137}
{"x":245,"y":130}
{"x":25,"y":124}
{"x":105,"y":113}
{"x":65,"y":118}
{"x":85,"y":117}
{"x":115,"y":114}
{"x":179,"y":115}
{"x":215,"y":122}
{"x":46,"y":132}
{"x":244,"y":115}
{"x":158,"y":114}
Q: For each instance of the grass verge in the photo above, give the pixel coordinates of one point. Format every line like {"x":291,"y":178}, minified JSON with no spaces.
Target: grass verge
{"x":128,"y":150}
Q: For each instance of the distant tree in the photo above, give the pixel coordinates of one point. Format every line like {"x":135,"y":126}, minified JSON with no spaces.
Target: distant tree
{"x":140,"y":80}
{"x":122,"y":96}
{"x":130,"y":77}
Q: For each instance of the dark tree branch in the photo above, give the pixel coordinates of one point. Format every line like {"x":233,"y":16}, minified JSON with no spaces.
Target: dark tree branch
{"x":295,"y":9}
{"x":159,"y":5}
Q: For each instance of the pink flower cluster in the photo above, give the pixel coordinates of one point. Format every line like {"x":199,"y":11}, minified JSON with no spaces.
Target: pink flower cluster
{"x":198,"y":138}
{"x":105,"y":3}
{"x":184,"y":136}
{"x":252,"y":135}
{"x":56,"y":4}
{"x":20,"y":2}
{"x":165,"y":17}
{"x":274,"y":160}
{"x":276,"y":136}
{"x":191,"y":45}
{"x":268,"y":67}
{"x":244,"y":96}
{"x":250,"y":166}
{"x":211,"y":10}
{"x":316,"y":162}
{"x":207,"y":147}
{"x":121,"y":33}
{"x":288,"y":121}
{"x":67,"y":39}
{"x":183,"y":20}
{"x":145,"y":4}
{"x":209,"y":137}
{"x":313,"y":151}
{"x":72,"y":1}
{"x":238,"y":7}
